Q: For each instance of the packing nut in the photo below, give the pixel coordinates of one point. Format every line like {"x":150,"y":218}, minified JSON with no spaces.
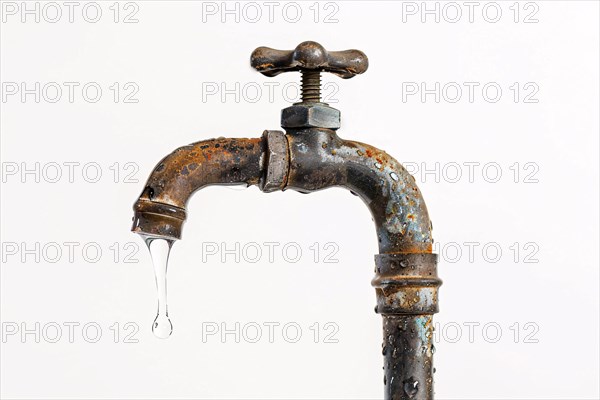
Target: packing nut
{"x":275,"y":176}
{"x":310,"y":115}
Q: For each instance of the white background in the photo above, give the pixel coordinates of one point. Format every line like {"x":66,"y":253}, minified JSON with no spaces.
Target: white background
{"x":172,"y":55}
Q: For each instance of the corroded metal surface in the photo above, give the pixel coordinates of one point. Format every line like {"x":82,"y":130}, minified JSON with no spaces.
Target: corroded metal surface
{"x":408,"y":356}
{"x":407,"y":297}
{"x":311,"y":157}
{"x":308,"y":160}
{"x":278,"y":161}
{"x":160,"y":210}
{"x":406,"y":279}
{"x":310,"y":115}
{"x":406,"y":283}
{"x":309,"y":56}
{"x":320,"y":159}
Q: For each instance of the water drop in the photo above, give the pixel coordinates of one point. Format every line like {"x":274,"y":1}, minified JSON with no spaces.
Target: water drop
{"x":302,"y":147}
{"x":394,"y":176}
{"x":378,"y":165}
{"x":162,"y":326}
{"x":159,"y":251}
{"x":411,"y":387}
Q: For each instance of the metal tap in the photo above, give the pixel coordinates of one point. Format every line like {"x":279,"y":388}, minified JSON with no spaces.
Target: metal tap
{"x":310,"y":156}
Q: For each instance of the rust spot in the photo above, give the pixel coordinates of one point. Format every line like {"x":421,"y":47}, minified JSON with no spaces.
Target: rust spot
{"x":264,"y":66}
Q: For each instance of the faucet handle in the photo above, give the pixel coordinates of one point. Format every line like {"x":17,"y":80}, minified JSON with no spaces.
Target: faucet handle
{"x":309,"y":56}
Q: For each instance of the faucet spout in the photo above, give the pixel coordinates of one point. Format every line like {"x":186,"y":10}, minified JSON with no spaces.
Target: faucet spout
{"x":160,"y":209}
{"x":310,"y":157}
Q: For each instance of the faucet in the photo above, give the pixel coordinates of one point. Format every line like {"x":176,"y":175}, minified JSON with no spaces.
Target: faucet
{"x":310,"y":156}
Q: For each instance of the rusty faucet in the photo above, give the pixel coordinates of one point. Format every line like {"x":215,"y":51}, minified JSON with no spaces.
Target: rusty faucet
{"x":310,"y":156}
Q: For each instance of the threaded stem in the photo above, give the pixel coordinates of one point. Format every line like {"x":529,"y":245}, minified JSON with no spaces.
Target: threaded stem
{"x":311,"y":86}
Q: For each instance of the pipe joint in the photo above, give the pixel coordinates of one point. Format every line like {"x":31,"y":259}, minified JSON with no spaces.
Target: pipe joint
{"x":277,"y":162}
{"x":406,"y":284}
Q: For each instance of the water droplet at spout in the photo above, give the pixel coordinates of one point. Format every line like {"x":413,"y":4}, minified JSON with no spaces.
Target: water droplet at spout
{"x":159,"y":251}
{"x":162,"y":327}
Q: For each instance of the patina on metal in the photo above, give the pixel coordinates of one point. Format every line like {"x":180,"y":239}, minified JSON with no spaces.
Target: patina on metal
{"x":310,"y":156}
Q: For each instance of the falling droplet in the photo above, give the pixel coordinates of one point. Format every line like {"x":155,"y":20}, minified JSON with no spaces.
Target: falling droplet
{"x":162,"y":326}
{"x":159,"y":251}
{"x":411,"y":387}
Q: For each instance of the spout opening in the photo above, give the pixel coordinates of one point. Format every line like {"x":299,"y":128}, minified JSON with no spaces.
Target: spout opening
{"x":158,"y":220}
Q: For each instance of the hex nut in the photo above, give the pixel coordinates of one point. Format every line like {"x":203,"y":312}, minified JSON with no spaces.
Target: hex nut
{"x":310,"y":115}
{"x":277,"y":158}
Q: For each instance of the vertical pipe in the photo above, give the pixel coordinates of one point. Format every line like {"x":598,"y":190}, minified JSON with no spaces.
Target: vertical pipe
{"x":407,"y":290}
{"x":408,"y":356}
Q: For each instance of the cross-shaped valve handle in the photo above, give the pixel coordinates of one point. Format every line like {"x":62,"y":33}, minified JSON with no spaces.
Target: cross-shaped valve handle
{"x":310,"y":58}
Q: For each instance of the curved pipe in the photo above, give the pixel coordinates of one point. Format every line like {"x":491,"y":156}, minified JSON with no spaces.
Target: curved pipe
{"x":308,"y":160}
{"x":320,"y":159}
{"x":406,"y":279}
{"x":317,"y":159}
{"x":160,"y":209}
